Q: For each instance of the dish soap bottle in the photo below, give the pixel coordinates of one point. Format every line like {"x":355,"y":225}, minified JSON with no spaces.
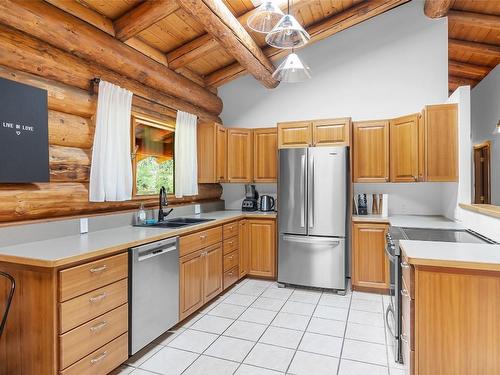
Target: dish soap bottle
{"x":141,"y":215}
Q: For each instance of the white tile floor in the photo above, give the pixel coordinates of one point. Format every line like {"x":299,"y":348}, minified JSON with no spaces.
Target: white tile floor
{"x":257,"y":328}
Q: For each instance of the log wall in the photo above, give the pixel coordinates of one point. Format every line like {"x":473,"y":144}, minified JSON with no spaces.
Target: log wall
{"x":71,"y":130}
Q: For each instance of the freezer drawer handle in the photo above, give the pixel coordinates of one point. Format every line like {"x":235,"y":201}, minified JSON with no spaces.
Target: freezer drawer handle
{"x":303,"y":239}
{"x":155,"y":253}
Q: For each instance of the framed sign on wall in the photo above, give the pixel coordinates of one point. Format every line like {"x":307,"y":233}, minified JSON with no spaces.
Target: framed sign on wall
{"x":24,"y":143}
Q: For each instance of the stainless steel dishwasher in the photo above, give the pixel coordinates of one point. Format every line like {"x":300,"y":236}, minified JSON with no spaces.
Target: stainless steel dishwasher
{"x":153,"y":291}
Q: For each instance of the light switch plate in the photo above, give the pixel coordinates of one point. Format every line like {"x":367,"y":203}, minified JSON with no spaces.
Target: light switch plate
{"x":197,"y":209}
{"x":84,"y":225}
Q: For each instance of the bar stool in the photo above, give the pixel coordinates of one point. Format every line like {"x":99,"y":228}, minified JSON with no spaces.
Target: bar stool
{"x":9,"y":299}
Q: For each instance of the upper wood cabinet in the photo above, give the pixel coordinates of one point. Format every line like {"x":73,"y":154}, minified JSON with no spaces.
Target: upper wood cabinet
{"x":370,"y":266}
{"x":329,"y":132}
{"x":371,"y":151}
{"x":441,"y":142}
{"x":404,"y":155}
{"x":261,"y":234}
{"x":333,"y":132}
{"x":294,"y":134}
{"x":239,"y":150}
{"x":265,"y":155}
{"x":221,"y":153}
{"x":212,"y":153}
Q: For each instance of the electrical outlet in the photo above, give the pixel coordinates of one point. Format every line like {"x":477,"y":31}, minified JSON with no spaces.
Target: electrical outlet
{"x":197,"y":209}
{"x":84,"y":225}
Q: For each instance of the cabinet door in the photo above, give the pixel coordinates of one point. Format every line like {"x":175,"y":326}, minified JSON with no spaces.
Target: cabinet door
{"x":213,"y":272}
{"x":244,"y":248}
{"x":262,"y":260}
{"x":404,"y":148}
{"x":369,"y":262}
{"x":294,"y":134}
{"x":334,"y":132}
{"x":239,"y":155}
{"x":371,"y":151}
{"x":221,"y":154}
{"x":441,"y":142}
{"x":265,"y":155}
{"x":191,"y":275}
{"x":207,"y":158}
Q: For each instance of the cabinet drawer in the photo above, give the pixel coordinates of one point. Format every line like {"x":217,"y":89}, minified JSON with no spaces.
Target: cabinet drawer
{"x":82,"y":279}
{"x":408,"y":317}
{"x":230,"y":277}
{"x":103,"y":360}
{"x":231,"y":245}
{"x":231,"y":229}
{"x":231,"y":260}
{"x":199,"y":240}
{"x":408,"y":276}
{"x":90,"y":336}
{"x":89,"y":306}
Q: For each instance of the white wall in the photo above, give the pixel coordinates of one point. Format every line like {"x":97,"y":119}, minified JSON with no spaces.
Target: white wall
{"x":485,"y":106}
{"x":388,"y":66}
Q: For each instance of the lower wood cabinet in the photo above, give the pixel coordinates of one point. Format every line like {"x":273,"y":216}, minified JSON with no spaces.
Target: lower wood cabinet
{"x":262,"y":247}
{"x":244,"y":247}
{"x":212,"y":282}
{"x":370,"y":266}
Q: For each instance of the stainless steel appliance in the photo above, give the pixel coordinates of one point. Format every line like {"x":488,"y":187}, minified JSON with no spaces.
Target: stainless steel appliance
{"x":153,"y":291}
{"x":312,"y":186}
{"x":251,"y":199}
{"x":393,"y":312}
{"x":267,"y":203}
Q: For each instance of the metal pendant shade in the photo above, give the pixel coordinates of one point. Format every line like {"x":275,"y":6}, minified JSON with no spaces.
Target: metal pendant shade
{"x":266,"y":16}
{"x":288,"y":33}
{"x":292,"y":70}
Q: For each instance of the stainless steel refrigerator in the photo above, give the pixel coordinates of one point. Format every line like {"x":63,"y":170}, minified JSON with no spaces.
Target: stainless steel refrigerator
{"x":312,"y":212}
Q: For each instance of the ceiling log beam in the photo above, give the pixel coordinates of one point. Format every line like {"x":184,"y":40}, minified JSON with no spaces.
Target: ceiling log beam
{"x":455,"y":82}
{"x":489,"y":50}
{"x":467,"y":70}
{"x":319,"y":31}
{"x":223,"y":26}
{"x":490,"y":22}
{"x":437,"y":8}
{"x":143,"y":16}
{"x":71,"y":34}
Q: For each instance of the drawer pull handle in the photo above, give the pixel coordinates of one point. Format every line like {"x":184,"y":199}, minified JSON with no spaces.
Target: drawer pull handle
{"x":404,"y":293}
{"x":231,"y":273}
{"x":97,"y":298}
{"x":99,"y":326}
{"x":231,"y":257}
{"x":405,"y":265}
{"x":99,"y":358}
{"x":98,"y":269}
{"x":203,"y":237}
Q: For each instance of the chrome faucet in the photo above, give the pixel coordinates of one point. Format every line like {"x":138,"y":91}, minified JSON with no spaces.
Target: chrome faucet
{"x":163,"y":203}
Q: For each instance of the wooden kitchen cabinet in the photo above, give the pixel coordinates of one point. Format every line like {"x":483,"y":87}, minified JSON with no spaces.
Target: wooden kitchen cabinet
{"x":244,"y":247}
{"x":212,"y":281}
{"x":239,"y":151}
{"x":332,"y":132}
{"x":370,"y":267}
{"x":262,"y":247}
{"x":191,"y":275}
{"x":371,"y":151}
{"x":265,"y":155}
{"x":404,"y":148}
{"x":441,"y":142}
{"x":294,"y":134}
{"x":212,"y":153}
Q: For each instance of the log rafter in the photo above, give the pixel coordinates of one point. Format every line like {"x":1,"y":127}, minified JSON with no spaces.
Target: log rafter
{"x":437,"y":8}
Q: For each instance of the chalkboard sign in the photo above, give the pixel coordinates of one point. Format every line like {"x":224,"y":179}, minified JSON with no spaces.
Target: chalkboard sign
{"x":24,"y":144}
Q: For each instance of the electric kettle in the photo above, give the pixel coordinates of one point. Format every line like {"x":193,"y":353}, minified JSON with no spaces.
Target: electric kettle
{"x":266,"y":203}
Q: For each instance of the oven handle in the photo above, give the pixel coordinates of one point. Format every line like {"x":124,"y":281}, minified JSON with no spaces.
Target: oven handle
{"x":389,"y":310}
{"x":391,"y":257}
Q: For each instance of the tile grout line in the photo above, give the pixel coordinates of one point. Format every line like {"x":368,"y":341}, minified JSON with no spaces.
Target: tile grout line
{"x":345,"y":331}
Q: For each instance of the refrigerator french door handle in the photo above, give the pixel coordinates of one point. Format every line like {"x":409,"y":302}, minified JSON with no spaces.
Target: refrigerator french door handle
{"x":310,"y":192}
{"x":302,"y":188}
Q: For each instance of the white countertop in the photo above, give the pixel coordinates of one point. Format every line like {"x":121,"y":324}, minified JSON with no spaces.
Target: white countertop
{"x":64,"y":250}
{"x":411,"y":221}
{"x":452,"y":254}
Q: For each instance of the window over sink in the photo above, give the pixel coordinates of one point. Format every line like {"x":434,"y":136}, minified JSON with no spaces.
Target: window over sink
{"x":153,"y":155}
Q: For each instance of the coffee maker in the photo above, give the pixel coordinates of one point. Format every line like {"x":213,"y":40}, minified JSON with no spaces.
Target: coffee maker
{"x":251,"y":198}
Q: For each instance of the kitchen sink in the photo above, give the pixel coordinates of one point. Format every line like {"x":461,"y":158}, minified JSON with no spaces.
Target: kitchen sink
{"x":177,"y":222}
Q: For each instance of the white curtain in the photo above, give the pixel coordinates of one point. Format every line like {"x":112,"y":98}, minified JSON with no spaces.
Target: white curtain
{"x":111,"y":170}
{"x":186,"y":164}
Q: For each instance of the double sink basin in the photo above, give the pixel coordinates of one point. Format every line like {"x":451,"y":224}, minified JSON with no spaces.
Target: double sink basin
{"x":177,"y":222}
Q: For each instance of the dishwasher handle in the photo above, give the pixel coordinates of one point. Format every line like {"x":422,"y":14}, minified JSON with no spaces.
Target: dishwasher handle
{"x":154,"y":249}
{"x":154,"y":253}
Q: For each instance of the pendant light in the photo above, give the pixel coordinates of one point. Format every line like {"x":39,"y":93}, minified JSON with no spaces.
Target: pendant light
{"x":292,"y":70}
{"x":288,"y":33}
{"x":265,"y":17}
